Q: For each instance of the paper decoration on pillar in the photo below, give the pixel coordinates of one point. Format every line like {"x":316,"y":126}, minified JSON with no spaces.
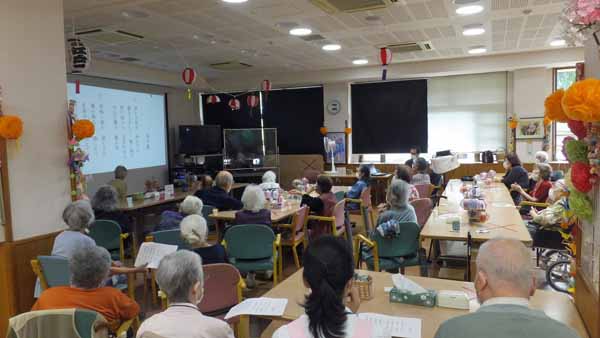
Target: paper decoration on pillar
{"x":11,"y":127}
{"x":79,"y":57}
{"x":77,"y":130}
{"x":385,"y":55}
{"x":212,"y":99}
{"x":189,"y":77}
{"x":323,"y":131}
{"x":83,"y":129}
{"x":252,"y":101}
{"x":234,"y":104}
{"x":266,"y":87}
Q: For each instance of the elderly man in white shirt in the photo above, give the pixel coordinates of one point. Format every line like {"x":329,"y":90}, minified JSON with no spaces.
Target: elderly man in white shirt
{"x":504,"y":284}
{"x":181,"y":277}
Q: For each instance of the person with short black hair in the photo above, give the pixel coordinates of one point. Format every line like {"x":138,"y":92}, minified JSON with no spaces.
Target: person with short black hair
{"x":414,"y":155}
{"x":322,"y":205}
{"x":330,"y":307}
{"x":421,"y":175}
{"x":403,"y":173}
{"x":515,"y":174}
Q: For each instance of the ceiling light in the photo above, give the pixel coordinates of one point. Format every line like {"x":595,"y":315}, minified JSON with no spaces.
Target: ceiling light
{"x":300,"y":31}
{"x":469,"y":10}
{"x":332,"y":47}
{"x":359,"y":62}
{"x":472,"y":30}
{"x":477,"y":50}
{"x":234,"y":1}
{"x":558,"y":43}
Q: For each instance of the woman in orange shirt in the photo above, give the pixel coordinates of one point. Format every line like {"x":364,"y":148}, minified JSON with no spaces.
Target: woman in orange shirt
{"x":89,"y":267}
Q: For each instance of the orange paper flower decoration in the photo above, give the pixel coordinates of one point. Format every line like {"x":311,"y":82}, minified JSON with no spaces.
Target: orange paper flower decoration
{"x":581,"y":101}
{"x":348,"y":131}
{"x":11,"y":127}
{"x":512,"y":124}
{"x":553,"y":104}
{"x":83,"y":129}
{"x":323,"y":131}
{"x":547,"y":121}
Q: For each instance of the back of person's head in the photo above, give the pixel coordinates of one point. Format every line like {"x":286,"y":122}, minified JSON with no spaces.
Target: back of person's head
{"x":328,"y":269}
{"x":206,"y":182}
{"x":89,"y":266}
{"x":178,"y":274}
{"x":78,"y":215}
{"x":191,"y":205}
{"x":398,"y":193}
{"x":120,"y":172}
{"x":224,"y":180}
{"x":253,"y":198}
{"x":414,"y":150}
{"x":504,"y":268}
{"x":421,"y":165}
{"x":364,"y":171}
{"x":513,"y":159}
{"x":194,"y":230}
{"x":105,"y":199}
{"x":403,"y":173}
{"x":545,"y":171}
{"x":541,"y":157}
{"x":324,"y":183}
{"x":269,"y":177}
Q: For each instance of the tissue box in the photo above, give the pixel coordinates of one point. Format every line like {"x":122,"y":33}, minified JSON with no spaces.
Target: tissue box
{"x":427,"y":299}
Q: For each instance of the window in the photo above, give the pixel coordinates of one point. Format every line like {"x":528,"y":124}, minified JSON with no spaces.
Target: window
{"x":563,"y":79}
{"x":466,"y":113}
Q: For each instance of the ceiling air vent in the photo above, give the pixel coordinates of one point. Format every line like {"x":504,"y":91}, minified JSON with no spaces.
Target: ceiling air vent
{"x":109,"y":36}
{"x":312,"y":37}
{"x":411,"y":47}
{"x":350,"y":6}
{"x":230,"y":65}
{"x":129,"y":59}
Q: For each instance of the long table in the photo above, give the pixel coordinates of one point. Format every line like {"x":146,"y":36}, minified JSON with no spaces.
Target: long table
{"x":504,"y":219}
{"x":556,"y":305}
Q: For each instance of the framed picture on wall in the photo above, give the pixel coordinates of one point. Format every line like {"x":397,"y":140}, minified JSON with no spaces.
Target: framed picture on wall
{"x":530,"y":128}
{"x":340,"y":148}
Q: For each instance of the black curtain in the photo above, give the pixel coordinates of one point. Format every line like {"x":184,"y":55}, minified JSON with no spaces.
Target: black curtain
{"x":298,"y":115}
{"x":221,"y":114}
{"x":389,"y":117}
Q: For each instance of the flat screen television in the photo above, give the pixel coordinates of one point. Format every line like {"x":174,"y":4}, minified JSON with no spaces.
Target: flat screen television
{"x":200,"y":140}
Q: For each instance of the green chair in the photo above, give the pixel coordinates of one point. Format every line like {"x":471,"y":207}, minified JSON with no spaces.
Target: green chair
{"x":170,"y":237}
{"x":52,"y":271}
{"x":62,"y":323}
{"x":254,"y":247}
{"x":107,"y":234}
{"x":392,"y":253}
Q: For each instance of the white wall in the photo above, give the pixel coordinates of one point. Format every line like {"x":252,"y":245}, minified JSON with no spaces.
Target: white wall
{"x":32,"y":68}
{"x":530,"y":89}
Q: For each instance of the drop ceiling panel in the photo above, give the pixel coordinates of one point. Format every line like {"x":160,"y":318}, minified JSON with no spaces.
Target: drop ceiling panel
{"x":208,"y":31}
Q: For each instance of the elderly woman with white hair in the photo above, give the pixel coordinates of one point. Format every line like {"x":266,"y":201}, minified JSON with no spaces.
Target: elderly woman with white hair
{"x":181,"y":277}
{"x":540,"y":191}
{"x":254,"y":211}
{"x":170,"y":219}
{"x":77,"y":217}
{"x":269,"y":181}
{"x":195,"y":232}
{"x":400,"y":209}
{"x":106,"y":207}
{"x":89,"y":267}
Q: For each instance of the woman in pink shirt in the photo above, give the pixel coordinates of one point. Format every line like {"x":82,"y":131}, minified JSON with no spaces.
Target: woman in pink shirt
{"x":181,"y":277}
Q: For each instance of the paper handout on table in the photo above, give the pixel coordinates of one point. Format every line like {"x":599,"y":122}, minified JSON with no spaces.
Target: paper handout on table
{"x":391,"y":326}
{"x":151,"y":253}
{"x":259,"y":307}
{"x":403,"y":283}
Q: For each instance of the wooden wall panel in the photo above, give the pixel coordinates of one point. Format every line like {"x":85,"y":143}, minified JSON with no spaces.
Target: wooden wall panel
{"x":22,"y":253}
{"x":7,"y":287}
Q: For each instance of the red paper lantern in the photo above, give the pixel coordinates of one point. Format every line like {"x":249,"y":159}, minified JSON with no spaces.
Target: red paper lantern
{"x":578,"y":128}
{"x":189,"y":76}
{"x":211,"y":99}
{"x":581,"y":177}
{"x":252,"y":101}
{"x":234,"y":104}
{"x":385,"y":56}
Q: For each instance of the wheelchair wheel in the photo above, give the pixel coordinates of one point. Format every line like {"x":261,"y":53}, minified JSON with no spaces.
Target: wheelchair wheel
{"x":558,"y":276}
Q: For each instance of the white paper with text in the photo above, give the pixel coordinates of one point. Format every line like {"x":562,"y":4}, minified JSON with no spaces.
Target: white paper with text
{"x":152,"y":253}
{"x":391,"y":326}
{"x":272,"y":307}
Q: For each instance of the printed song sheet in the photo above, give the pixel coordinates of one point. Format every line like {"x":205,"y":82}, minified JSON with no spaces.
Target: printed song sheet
{"x":151,"y":253}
